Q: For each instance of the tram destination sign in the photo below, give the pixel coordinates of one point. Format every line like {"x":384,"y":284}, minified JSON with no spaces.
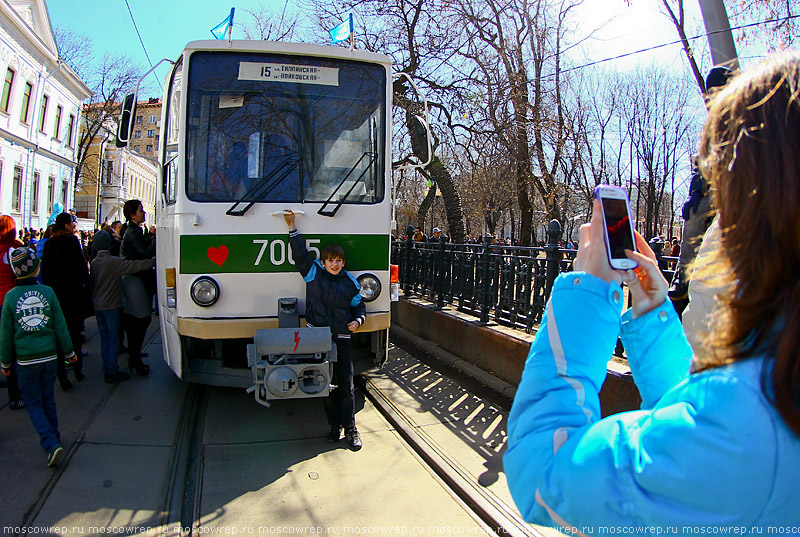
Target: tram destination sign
{"x":282,"y":72}
{"x":213,"y":254}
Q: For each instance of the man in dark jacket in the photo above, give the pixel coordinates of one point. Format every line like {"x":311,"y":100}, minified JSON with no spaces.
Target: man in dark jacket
{"x":437,"y":236}
{"x":333,"y":299}
{"x":65,"y":270}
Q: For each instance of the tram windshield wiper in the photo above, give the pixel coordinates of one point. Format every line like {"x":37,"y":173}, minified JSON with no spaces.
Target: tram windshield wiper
{"x":372,"y":159}
{"x":260,"y":189}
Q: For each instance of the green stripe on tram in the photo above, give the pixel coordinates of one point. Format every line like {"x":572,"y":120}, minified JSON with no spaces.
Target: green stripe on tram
{"x":209,"y":254}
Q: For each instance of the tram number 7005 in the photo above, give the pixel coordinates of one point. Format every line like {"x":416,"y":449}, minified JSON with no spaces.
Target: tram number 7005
{"x":279,"y":250}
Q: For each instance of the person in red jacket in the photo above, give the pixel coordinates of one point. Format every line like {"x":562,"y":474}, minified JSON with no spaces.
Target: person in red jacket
{"x":8,"y":241}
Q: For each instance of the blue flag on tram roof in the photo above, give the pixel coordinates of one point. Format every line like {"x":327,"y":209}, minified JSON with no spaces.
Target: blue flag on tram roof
{"x":342,"y":31}
{"x":221,"y":29}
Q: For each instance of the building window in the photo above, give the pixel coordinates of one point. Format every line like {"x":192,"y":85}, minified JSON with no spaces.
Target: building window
{"x":137,"y":134}
{"x":26,"y":102}
{"x":138,"y":119}
{"x":57,"y":128}
{"x":109,"y":171}
{"x":7,"y":90}
{"x":149,"y":148}
{"x":43,"y":112}
{"x":151,"y":133}
{"x":51,"y":192}
{"x":16,"y":192}
{"x":152,"y":119}
{"x":35,"y":193}
{"x":71,"y":131}
{"x":64,"y":189}
{"x":136,"y":148}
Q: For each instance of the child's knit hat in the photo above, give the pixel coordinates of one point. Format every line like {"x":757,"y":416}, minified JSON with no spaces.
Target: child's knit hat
{"x":24,"y":262}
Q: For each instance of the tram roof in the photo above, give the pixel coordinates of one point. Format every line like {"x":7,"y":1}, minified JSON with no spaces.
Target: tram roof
{"x":282,"y":47}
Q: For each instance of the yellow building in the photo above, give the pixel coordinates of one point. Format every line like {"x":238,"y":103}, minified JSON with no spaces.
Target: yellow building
{"x":122,"y":173}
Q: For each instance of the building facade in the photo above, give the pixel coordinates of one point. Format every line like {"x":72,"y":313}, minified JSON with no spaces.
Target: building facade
{"x":40,"y":110}
{"x":147,"y":122}
{"x":122,"y":174}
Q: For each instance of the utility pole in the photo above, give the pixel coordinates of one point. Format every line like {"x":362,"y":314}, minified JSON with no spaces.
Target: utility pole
{"x":723,"y":54}
{"x":718,"y":29}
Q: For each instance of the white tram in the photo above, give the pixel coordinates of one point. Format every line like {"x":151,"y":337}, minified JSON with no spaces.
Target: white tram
{"x":250,"y":128}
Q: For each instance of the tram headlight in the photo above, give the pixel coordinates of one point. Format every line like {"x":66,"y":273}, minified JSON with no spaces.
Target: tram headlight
{"x":205,"y":291}
{"x":370,"y":287}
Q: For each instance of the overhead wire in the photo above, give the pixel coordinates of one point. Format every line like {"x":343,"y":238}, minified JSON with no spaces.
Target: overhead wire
{"x":679,"y":42}
{"x":133,"y":20}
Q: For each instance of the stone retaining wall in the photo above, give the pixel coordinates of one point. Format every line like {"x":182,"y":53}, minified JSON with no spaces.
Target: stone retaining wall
{"x":497,"y":350}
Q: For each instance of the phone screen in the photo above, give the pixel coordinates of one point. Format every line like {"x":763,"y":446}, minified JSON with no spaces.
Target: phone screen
{"x":618,"y":226}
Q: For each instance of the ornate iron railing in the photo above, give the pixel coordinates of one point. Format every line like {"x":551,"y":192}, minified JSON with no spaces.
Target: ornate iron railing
{"x":508,"y":285}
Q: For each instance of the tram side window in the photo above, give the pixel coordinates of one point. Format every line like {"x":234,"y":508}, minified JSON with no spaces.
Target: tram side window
{"x":172,"y":130}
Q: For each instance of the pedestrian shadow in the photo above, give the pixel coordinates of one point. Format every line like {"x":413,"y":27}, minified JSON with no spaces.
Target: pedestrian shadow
{"x":435,"y":399}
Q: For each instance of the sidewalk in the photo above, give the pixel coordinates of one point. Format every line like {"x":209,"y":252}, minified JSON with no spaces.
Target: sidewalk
{"x":25,"y":474}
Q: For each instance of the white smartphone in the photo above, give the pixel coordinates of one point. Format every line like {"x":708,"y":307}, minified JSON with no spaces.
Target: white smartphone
{"x":617,"y":228}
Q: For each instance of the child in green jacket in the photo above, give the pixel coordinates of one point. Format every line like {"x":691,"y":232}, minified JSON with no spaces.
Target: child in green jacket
{"x":32,"y":326}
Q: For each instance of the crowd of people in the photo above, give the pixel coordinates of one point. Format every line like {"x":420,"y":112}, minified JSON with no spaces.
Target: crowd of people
{"x":50,"y":283}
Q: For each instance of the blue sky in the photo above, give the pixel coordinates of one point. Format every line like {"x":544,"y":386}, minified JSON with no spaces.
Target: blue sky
{"x":167,"y":25}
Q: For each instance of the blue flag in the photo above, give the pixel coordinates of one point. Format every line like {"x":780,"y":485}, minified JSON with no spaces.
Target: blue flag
{"x":342,"y":31}
{"x":221,"y":29}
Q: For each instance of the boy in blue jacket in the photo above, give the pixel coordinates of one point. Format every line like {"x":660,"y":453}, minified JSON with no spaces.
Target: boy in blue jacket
{"x":333,"y":299}
{"x":32,"y":328}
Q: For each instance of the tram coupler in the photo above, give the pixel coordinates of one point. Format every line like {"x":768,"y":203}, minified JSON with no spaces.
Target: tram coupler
{"x":291,"y":363}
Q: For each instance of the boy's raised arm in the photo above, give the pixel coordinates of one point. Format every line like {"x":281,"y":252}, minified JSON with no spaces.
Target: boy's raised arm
{"x":302,"y":260}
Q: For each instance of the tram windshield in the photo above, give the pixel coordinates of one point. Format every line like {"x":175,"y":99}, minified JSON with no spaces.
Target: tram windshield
{"x":281,"y":128}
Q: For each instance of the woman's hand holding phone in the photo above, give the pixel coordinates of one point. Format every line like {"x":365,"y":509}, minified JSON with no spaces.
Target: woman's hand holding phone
{"x":646,"y":283}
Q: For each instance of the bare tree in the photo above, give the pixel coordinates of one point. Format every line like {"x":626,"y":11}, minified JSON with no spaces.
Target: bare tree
{"x":264,"y":24}
{"x":656,"y":108}
{"x":410,"y":32}
{"x":111,"y":79}
{"x":516,"y":47}
{"x":783,"y":30}
{"x":74,"y":49}
{"x":676,"y":12}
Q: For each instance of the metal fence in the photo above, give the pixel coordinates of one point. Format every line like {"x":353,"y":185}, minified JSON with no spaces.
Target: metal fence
{"x":508,"y":285}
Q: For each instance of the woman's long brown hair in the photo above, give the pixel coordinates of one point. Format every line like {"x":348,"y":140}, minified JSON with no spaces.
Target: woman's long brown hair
{"x":750,"y":150}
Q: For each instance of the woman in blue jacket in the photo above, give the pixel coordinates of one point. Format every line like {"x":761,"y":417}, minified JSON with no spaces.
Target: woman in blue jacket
{"x":716,"y":444}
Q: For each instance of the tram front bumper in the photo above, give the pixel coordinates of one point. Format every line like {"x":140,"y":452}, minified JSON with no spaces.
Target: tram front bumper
{"x":291,"y":363}
{"x":247,"y":328}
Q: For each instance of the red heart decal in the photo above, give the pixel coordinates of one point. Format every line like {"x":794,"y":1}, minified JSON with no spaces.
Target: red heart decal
{"x":218,"y":255}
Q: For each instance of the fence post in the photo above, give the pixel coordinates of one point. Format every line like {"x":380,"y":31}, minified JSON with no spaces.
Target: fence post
{"x":486,"y":279}
{"x":440,"y":277}
{"x":407,"y":272}
{"x":553,"y":256}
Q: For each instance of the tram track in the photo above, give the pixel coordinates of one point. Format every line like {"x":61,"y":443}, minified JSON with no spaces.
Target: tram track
{"x":183,"y":495}
{"x":489,"y":509}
